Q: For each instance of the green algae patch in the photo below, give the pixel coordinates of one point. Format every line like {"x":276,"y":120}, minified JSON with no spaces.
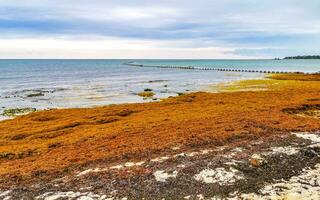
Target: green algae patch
{"x":146,"y":94}
{"x":271,"y":82}
{"x":17,"y":111}
{"x":244,"y":85}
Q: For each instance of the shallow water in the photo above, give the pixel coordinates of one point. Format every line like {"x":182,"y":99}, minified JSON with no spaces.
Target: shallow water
{"x":45,"y":84}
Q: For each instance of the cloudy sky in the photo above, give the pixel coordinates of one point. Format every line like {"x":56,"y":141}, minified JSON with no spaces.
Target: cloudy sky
{"x":158,"y":28}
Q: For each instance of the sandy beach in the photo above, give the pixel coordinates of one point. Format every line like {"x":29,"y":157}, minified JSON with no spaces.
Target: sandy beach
{"x":251,"y":136}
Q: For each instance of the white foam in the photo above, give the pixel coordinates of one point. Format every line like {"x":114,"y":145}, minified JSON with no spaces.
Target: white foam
{"x":221,"y":148}
{"x":160,"y":159}
{"x":5,"y":194}
{"x":194,"y":153}
{"x":85,"y":198}
{"x":304,"y":186}
{"x":73,"y":195}
{"x":129,"y":164}
{"x":180,"y":155}
{"x":257,"y":157}
{"x":219,"y":175}
{"x":175,"y":148}
{"x":231,"y":155}
{"x":162,"y":176}
{"x":308,"y":136}
{"x":233,"y":162}
{"x":96,"y":170}
{"x":116,"y":167}
{"x":89,"y":171}
{"x":191,"y":154}
{"x":289,"y":150}
{"x":238,"y":149}
{"x":206,"y":151}
{"x":139,"y":163}
{"x":181,"y":166}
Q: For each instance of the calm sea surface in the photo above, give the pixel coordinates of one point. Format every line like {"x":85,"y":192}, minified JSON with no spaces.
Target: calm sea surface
{"x":83,"y":83}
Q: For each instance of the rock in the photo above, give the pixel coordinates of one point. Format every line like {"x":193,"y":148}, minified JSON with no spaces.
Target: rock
{"x":146,"y":94}
{"x":164,"y":91}
{"x":37,"y":94}
{"x":17,"y":111}
{"x":256,"y":160}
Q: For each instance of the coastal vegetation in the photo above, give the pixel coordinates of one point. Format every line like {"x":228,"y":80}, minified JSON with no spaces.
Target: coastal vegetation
{"x":303,"y":57}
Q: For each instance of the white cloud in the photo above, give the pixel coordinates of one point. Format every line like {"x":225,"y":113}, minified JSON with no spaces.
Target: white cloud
{"x":141,"y":27}
{"x":146,"y":13}
{"x":105,"y":48}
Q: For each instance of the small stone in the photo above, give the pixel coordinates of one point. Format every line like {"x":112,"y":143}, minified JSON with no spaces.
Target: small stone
{"x":146,"y":94}
{"x":255,"y":162}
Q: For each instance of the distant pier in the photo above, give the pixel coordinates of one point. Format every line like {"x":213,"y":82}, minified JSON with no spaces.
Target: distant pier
{"x":223,"y":69}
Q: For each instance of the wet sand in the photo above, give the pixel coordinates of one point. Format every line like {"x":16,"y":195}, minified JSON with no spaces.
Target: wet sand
{"x":237,"y":143}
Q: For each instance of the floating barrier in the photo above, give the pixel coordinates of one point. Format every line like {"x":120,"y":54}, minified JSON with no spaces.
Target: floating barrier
{"x":206,"y":68}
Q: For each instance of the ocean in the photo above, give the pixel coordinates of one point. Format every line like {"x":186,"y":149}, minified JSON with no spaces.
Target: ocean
{"x":44,"y":84}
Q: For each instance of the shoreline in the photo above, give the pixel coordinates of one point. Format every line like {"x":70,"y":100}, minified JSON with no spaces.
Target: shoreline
{"x":55,"y":144}
{"x":37,"y":99}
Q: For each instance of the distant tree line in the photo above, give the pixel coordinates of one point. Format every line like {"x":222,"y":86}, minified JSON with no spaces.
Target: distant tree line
{"x":303,"y":57}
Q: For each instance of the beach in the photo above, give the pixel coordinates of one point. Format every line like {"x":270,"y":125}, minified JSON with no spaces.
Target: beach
{"x":159,"y":100}
{"x":236,"y":140}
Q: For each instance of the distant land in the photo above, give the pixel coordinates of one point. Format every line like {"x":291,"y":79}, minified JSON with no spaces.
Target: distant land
{"x":303,"y":57}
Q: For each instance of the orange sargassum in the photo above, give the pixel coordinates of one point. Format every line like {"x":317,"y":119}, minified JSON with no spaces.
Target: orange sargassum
{"x":56,"y":140}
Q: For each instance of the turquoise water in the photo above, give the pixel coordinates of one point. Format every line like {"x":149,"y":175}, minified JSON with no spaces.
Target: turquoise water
{"x":46,"y":84}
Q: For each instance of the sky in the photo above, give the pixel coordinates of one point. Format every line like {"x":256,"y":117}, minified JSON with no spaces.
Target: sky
{"x":185,"y":29}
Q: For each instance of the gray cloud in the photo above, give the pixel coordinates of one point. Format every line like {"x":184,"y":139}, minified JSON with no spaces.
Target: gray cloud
{"x":238,"y":24}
